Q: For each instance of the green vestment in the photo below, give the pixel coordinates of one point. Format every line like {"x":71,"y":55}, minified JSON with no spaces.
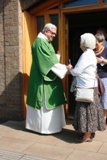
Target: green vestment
{"x":42,"y":80}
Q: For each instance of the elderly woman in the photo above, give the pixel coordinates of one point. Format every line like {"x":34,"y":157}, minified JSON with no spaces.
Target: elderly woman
{"x":88,"y":117}
{"x":101,"y":54}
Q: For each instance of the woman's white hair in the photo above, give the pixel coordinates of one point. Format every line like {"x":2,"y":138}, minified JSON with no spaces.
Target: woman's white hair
{"x":88,"y":40}
{"x":48,"y":26}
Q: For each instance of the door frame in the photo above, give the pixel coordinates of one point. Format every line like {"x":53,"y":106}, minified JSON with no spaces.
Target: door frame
{"x":30,"y":32}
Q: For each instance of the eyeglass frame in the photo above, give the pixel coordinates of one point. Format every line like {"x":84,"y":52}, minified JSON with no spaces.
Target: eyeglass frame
{"x":52,"y":32}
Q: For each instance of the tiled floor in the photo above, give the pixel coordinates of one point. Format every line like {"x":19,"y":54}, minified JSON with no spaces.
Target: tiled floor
{"x":9,"y":155}
{"x":17,"y":143}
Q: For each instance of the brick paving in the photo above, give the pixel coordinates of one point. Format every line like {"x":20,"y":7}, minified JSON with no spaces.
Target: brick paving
{"x":17,"y":143}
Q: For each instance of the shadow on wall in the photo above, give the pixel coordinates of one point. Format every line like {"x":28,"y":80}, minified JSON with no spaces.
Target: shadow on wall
{"x":3,"y":4}
{"x":25,"y":4}
{"x":12,"y":101}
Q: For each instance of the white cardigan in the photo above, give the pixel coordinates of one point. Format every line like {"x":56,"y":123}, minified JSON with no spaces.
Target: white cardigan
{"x":85,"y":70}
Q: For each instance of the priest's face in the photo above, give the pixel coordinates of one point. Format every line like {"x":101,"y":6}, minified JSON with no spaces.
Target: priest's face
{"x":50,"y":34}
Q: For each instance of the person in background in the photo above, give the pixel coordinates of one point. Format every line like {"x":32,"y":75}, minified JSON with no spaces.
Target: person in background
{"x":104,"y":32}
{"x":101,"y":54}
{"x":88,"y":117}
{"x":45,"y":97}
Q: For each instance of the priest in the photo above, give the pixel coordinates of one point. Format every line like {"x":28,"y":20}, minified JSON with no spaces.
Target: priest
{"x":45,"y":96}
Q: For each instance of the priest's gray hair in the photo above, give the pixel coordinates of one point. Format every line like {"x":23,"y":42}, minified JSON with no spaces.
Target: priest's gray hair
{"x":88,"y":40}
{"x":100,"y":37}
{"x":48,"y":26}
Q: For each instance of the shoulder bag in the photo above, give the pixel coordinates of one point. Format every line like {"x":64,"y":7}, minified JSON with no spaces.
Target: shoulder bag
{"x":85,"y":94}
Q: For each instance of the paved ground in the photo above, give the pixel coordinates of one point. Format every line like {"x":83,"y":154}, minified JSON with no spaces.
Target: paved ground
{"x":17,"y":143}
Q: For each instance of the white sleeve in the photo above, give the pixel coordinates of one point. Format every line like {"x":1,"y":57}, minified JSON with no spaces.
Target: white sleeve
{"x":60,"y":70}
{"x":82,"y":63}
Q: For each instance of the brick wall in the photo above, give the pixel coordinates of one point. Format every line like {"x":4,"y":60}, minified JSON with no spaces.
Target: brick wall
{"x":2,"y":66}
{"x":11,"y":60}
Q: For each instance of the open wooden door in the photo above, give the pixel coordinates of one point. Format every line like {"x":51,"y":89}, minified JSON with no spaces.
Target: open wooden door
{"x":66,"y":51}
{"x":29,"y":34}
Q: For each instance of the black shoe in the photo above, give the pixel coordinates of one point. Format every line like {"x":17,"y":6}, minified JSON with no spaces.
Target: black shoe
{"x":92,"y":135}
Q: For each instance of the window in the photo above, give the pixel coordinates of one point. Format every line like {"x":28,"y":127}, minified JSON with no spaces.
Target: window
{"x":40,"y":23}
{"x":80,"y":3}
{"x":105,"y":1}
{"x":54,"y":20}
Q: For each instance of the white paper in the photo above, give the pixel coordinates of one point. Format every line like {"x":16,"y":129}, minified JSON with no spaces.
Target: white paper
{"x":102,"y":64}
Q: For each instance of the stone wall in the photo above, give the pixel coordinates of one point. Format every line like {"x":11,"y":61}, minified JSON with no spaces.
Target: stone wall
{"x":11,"y":105}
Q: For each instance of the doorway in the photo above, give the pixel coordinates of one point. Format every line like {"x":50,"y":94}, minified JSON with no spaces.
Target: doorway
{"x":80,"y":23}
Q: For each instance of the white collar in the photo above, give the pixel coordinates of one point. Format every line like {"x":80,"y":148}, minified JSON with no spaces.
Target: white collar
{"x":41,"y":35}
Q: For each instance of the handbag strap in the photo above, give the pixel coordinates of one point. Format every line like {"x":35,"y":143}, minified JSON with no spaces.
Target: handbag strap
{"x":95,"y":78}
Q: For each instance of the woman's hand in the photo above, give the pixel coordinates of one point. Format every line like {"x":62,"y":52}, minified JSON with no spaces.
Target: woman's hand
{"x":69,"y":67}
{"x":99,"y":60}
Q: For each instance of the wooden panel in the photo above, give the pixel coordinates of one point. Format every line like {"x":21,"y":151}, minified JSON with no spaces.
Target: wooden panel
{"x":100,"y":1}
{"x":55,"y":11}
{"x":65,"y":60}
{"x":29,"y":33}
{"x":85,"y":8}
{"x":63,"y":43}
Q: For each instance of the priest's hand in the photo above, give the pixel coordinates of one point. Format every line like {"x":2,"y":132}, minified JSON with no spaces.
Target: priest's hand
{"x":68,"y":72}
{"x":59,"y":53}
